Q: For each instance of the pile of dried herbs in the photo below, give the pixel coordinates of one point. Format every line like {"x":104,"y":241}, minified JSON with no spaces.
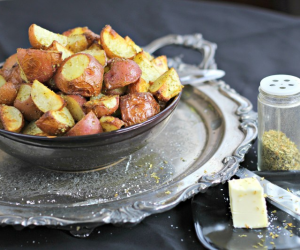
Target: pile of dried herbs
{"x":279,"y":152}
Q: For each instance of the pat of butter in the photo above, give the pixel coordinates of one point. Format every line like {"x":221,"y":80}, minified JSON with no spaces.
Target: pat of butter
{"x":247,"y":203}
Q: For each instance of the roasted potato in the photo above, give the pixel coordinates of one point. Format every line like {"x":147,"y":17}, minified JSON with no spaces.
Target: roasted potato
{"x":8,"y":92}
{"x":149,"y":71}
{"x":41,"y":38}
{"x":44,"y":98}
{"x":88,"y":125}
{"x":80,"y":74}
{"x":166,"y":86}
{"x":2,"y":81}
{"x":38,"y":64}
{"x":161,"y":64}
{"x":25,"y":104}
{"x":139,"y":86}
{"x":10,"y":62}
{"x":90,"y":35}
{"x":106,"y":105}
{"x":74,"y":105}
{"x":56,"y":46}
{"x":95,"y":45}
{"x":98,"y":54}
{"x":56,"y":122}
{"x":137,"y":48}
{"x":110,"y":123}
{"x":32,"y":129}
{"x":75,"y":31}
{"x":115,"y":45}
{"x":11,"y":118}
{"x":97,"y":97}
{"x":77,"y":43}
{"x":122,"y":72}
{"x":118,"y":91}
{"x":138,"y":107}
{"x":13,"y":73}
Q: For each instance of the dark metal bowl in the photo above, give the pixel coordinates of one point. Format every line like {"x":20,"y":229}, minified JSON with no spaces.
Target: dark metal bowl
{"x":80,"y":153}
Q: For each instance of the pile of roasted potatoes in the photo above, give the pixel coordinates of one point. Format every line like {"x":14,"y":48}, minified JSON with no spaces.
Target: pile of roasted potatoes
{"x":80,"y":83}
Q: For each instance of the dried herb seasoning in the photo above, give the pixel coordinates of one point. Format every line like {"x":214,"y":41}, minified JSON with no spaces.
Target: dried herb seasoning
{"x":279,"y":152}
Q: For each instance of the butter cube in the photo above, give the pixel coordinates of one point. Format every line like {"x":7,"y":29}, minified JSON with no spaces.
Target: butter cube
{"x":247,"y":203}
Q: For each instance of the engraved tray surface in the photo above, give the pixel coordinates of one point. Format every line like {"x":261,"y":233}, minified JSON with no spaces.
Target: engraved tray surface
{"x":206,"y":139}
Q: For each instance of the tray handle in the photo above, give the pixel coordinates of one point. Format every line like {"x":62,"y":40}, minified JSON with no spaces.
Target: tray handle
{"x":194,"y":41}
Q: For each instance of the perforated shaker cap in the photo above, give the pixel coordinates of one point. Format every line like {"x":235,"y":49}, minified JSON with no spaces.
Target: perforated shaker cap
{"x":280,"y":85}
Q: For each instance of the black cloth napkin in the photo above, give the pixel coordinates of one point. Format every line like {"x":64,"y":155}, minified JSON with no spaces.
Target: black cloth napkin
{"x":252,"y":44}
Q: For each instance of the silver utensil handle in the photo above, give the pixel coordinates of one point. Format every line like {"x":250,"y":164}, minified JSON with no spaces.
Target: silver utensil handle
{"x":194,"y":41}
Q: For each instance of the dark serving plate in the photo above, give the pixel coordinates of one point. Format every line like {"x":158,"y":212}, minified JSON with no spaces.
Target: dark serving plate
{"x":214,"y":227}
{"x":80,"y":153}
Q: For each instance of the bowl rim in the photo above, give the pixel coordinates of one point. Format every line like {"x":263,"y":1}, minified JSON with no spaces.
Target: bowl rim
{"x":103,"y":135}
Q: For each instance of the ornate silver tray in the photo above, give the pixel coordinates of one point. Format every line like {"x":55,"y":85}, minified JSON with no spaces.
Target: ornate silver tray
{"x":206,"y":139}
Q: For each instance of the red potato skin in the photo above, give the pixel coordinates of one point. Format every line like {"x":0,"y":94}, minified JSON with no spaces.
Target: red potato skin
{"x":79,"y":99}
{"x":99,"y":108}
{"x":38,"y":64}
{"x":138,"y":107}
{"x":8,"y":65}
{"x":122,"y":72}
{"x":28,"y":109}
{"x":13,"y":75}
{"x":88,"y":125}
{"x":88,"y":84}
{"x":8,"y":93}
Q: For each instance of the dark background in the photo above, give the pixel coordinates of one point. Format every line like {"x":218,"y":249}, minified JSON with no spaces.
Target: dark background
{"x":287,"y":6}
{"x":252,"y":44}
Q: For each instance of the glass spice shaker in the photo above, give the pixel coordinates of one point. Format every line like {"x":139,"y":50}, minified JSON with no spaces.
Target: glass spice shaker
{"x":279,"y":123}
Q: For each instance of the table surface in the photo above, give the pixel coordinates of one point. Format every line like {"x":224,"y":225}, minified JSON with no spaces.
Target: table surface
{"x":252,"y":44}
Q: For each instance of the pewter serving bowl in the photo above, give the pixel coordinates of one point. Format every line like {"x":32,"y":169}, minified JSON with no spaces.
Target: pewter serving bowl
{"x":82,"y":153}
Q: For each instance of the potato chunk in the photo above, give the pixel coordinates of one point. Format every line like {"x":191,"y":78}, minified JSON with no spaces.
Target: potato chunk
{"x":8,"y":65}
{"x":75,"y":31}
{"x":106,"y":105}
{"x":56,"y":122}
{"x":166,"y":86}
{"x":88,"y":125}
{"x":139,"y":86}
{"x":161,"y":64}
{"x":149,"y":71}
{"x":98,"y":54}
{"x":44,"y":98}
{"x":110,"y":123}
{"x":38,"y":64}
{"x":41,"y":38}
{"x":11,"y":118}
{"x":115,"y":45}
{"x":137,"y":48}
{"x":8,"y":91}
{"x":75,"y":106}
{"x":56,"y":46}
{"x":32,"y":129}
{"x":122,"y":72}
{"x":25,"y":104}
{"x":138,"y":107}
{"x":80,"y":74}
{"x":77,"y":43}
